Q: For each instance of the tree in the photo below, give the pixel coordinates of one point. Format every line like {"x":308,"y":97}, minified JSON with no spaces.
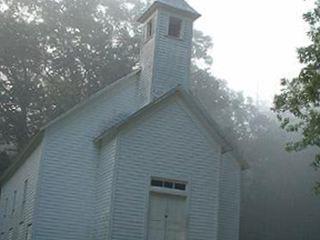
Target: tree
{"x":298,"y":105}
{"x":54,"y":54}
{"x":52,"y":58}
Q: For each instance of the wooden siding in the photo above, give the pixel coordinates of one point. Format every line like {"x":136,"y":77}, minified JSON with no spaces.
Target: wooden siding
{"x":67,"y":183}
{"x":172,"y":56}
{"x":147,"y":59}
{"x":229,"y":203}
{"x":23,"y":214}
{"x":167,"y":143}
{"x":165,"y":60}
{"x":105,"y":176}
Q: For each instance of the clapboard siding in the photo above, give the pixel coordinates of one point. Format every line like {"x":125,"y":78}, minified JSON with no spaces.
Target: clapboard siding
{"x":167,"y":143}
{"x":100,"y":191}
{"x":105,"y":175}
{"x":67,"y":184}
{"x":22,"y":216}
{"x":165,"y":60}
{"x":147,"y":58}
{"x":229,"y":209}
{"x":172,"y":56}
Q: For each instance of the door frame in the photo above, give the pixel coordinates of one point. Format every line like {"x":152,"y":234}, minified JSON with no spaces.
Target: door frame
{"x":165,"y":191}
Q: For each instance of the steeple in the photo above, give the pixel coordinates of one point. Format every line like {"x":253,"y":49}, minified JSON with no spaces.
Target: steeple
{"x":167,"y":44}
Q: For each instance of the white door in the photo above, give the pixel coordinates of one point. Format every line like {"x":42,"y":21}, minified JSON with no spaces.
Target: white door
{"x":167,"y":217}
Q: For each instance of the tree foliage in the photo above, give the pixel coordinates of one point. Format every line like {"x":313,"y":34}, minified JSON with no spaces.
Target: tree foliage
{"x":54,"y":54}
{"x":237,"y":116}
{"x":298,"y":105}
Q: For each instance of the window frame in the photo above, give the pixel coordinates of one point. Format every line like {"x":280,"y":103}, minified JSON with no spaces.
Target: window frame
{"x":170,"y":24}
{"x":164,"y":187}
{"x":14,"y":202}
{"x":150,"y":29}
{"x":25,"y":191}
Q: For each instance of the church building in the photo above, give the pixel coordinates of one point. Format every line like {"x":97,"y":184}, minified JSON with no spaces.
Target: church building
{"x":139,"y":160}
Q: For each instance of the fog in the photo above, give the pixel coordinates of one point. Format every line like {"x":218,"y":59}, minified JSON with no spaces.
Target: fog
{"x":53,"y":58}
{"x":255,"y":42}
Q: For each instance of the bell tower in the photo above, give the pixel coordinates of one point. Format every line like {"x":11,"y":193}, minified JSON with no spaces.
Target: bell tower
{"x":167,"y":44}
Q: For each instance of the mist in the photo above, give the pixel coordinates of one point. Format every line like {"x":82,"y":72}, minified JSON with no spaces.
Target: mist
{"x":53,"y":58}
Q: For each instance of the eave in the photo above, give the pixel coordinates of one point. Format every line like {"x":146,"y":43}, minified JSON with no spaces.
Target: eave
{"x":195,"y":105}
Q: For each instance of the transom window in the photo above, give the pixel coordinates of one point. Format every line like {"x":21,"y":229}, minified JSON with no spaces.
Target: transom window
{"x":169,"y":184}
{"x":175,"y":25}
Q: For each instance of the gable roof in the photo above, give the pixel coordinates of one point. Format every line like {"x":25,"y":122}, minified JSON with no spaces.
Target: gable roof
{"x":187,"y":97}
{"x":173,"y":5}
{"x":179,"y":4}
{"x":214,"y":129}
{"x":22,"y":156}
{"x":92,"y":97}
{"x":37,"y":139}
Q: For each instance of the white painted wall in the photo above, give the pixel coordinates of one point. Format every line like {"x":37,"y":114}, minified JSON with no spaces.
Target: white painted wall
{"x":229,"y":200}
{"x":68,"y":174}
{"x":166,"y":60}
{"x":169,"y":144}
{"x":104,"y":187}
{"x":20,"y":219}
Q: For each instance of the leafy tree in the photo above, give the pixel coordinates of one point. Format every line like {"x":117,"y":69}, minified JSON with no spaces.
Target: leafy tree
{"x":52,"y":57}
{"x":239,"y":118}
{"x":54,"y":54}
{"x":5,"y":160}
{"x":298,"y":105}
{"x":21,"y":63}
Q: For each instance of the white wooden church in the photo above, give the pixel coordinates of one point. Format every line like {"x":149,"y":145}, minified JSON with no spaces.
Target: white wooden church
{"x":140,"y":160}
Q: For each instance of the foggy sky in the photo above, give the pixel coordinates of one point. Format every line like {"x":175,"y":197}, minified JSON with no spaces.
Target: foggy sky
{"x":255,"y":41}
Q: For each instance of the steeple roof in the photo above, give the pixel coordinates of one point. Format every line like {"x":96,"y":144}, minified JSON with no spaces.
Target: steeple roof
{"x":180,"y":4}
{"x":177,"y":5}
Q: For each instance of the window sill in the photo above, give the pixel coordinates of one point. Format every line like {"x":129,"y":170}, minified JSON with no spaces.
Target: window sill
{"x":174,"y":38}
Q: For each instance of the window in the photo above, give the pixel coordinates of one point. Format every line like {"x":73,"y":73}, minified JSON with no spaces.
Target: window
{"x":24,"y":196}
{"x":2,"y":236}
{"x":150,"y":29}
{"x":180,"y":186}
{"x":176,"y":185}
{"x":175,"y":25}
{"x":156,"y":183}
{"x":14,"y":202}
{"x":25,"y":189}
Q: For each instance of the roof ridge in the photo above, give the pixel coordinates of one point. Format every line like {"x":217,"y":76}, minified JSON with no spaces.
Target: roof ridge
{"x":194,"y":103}
{"x":93,"y":96}
{"x":175,"y":5}
{"x":36,"y":139}
{"x":181,"y":4}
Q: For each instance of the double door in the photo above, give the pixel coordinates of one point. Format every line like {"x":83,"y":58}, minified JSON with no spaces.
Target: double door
{"x":167,"y":217}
